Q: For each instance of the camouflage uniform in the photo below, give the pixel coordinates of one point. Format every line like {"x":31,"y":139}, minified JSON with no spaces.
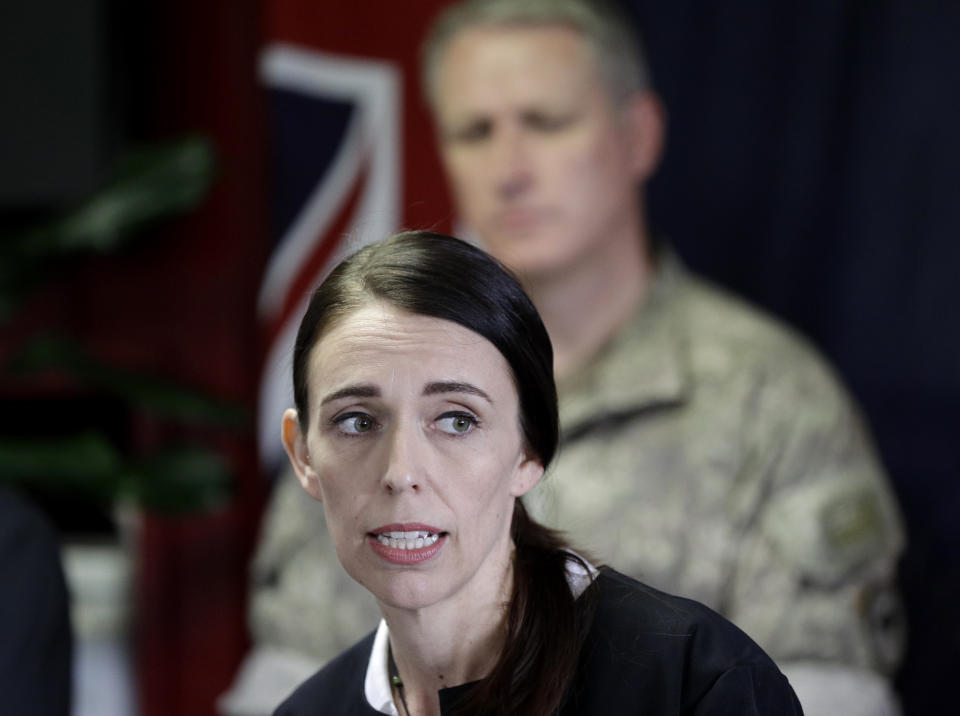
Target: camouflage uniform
{"x":707,"y":451}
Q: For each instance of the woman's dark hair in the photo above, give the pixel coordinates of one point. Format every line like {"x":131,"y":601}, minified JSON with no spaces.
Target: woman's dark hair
{"x":435,"y":275}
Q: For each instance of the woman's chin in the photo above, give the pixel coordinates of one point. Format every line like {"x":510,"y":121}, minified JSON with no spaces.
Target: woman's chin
{"x":405,"y":594}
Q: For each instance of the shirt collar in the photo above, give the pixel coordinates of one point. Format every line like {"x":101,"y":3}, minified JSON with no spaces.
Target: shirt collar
{"x":644,"y":365}
{"x":376,"y":685}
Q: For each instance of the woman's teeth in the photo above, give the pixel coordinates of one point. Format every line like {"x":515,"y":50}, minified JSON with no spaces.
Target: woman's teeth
{"x":407,"y":540}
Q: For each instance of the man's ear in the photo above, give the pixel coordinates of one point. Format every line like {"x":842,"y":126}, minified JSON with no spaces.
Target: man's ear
{"x":645,"y":121}
{"x":527,"y":475}
{"x":295,"y":443}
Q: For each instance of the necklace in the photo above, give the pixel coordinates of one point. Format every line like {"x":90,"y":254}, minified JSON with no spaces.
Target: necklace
{"x":395,"y":679}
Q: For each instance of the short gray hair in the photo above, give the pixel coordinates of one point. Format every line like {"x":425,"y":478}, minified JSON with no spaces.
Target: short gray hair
{"x":606,"y":29}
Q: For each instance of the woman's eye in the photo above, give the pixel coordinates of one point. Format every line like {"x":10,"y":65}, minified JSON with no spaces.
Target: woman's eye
{"x":457,"y":423}
{"x":355,"y":423}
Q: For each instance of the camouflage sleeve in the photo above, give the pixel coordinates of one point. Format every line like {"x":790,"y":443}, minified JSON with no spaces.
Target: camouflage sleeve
{"x":822,"y":535}
{"x":301,"y":597}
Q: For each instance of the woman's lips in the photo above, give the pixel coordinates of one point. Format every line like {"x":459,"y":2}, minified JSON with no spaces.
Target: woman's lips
{"x":408,"y":543}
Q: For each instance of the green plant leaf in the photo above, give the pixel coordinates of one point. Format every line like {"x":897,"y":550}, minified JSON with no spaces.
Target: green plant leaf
{"x":181,"y":479}
{"x":86,"y":462}
{"x":161,"y":397}
{"x":174,"y":480}
{"x":147,"y":184}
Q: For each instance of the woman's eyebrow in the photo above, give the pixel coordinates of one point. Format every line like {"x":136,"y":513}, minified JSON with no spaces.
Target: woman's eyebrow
{"x":352,"y":391}
{"x":453,"y":386}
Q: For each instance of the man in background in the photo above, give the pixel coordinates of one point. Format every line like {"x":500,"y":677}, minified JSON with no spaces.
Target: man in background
{"x":706,"y":449}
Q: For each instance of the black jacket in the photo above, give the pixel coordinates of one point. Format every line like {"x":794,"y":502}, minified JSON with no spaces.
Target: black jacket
{"x":646,"y":653}
{"x":35,"y":636}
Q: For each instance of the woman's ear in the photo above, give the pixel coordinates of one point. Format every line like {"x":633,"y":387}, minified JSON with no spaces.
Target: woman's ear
{"x":527,"y":475}
{"x":295,"y":443}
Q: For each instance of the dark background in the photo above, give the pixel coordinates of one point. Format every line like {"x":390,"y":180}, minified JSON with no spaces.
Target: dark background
{"x":812,"y":165}
{"x":82,"y":82}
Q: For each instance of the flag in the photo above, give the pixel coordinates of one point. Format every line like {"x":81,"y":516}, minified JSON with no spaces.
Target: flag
{"x":352,"y":159}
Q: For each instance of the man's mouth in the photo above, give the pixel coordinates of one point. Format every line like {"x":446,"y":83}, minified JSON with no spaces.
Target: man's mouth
{"x":519,"y":219}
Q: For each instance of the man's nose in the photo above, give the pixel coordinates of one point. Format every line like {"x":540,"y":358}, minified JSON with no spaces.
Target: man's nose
{"x":403,"y":469}
{"x":513,"y":168}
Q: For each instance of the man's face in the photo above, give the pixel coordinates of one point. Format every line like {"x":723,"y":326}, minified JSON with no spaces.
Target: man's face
{"x":542,"y":162}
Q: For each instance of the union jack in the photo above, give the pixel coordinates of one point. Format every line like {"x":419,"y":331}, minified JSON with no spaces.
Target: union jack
{"x":345,"y":115}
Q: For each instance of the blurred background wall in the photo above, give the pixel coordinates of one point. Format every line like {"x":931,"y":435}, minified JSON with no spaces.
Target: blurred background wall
{"x":811,"y":166}
{"x":86,"y":85}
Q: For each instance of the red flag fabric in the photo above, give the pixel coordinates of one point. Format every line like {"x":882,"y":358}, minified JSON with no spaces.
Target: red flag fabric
{"x":352,"y":157}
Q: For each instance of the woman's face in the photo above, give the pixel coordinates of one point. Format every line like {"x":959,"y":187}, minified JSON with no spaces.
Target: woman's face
{"x":415,"y":449}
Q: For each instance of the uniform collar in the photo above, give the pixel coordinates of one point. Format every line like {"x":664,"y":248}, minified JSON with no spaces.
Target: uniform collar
{"x":644,"y":365}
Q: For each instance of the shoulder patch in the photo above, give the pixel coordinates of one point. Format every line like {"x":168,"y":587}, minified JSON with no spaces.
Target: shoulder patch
{"x":828,"y":530}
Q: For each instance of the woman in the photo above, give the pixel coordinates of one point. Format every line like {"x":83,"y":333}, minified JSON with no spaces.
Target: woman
{"x":425,"y":409}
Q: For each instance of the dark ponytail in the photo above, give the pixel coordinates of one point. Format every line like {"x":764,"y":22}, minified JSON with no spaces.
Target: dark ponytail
{"x":434,"y":275}
{"x":545,"y":629}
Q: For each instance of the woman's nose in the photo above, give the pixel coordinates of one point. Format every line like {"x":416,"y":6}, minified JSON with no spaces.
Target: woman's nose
{"x":403,"y":467}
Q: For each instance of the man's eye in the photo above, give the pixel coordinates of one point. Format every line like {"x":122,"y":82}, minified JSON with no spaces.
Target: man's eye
{"x":457,"y":423}
{"x":547,"y":122}
{"x":470,"y":133}
{"x":355,"y":423}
